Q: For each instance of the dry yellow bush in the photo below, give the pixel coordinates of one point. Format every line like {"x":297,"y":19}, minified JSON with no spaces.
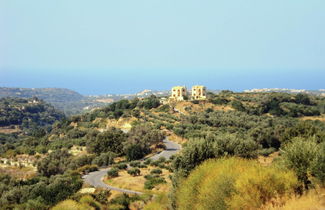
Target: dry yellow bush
{"x":233,"y":184}
{"x":312,"y":200}
{"x":71,"y":205}
{"x":258,"y":185}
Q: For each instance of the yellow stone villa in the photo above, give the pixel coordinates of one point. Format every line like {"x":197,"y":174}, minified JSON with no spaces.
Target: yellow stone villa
{"x":199,"y":92}
{"x":179,"y":93}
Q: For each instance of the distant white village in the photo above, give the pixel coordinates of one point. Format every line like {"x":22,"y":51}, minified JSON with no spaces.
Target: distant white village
{"x":263,"y":90}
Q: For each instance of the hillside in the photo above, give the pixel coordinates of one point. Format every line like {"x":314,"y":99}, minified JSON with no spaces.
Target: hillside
{"x":21,"y":118}
{"x":267,"y":133}
{"x":68,"y":101}
{"x":47,"y":94}
{"x":27,"y":113}
{"x":72,"y":102}
{"x":286,"y":90}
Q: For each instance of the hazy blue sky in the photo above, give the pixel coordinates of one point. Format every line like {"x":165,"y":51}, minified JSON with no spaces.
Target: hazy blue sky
{"x":121,"y":46}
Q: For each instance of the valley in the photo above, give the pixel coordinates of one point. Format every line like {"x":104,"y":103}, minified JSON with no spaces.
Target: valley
{"x":162,"y":105}
{"x":127,"y":154}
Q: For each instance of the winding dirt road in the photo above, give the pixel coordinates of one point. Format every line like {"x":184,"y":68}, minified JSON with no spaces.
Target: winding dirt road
{"x":95,"y":178}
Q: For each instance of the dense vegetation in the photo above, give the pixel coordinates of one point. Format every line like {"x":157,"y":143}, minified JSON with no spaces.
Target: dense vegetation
{"x":27,"y":112}
{"x":59,"y":171}
{"x":252,"y":125}
{"x":261,"y":124}
{"x":123,"y":108}
{"x":239,"y":134}
{"x":277,"y":104}
{"x":68,"y":101}
{"x":47,"y":94}
{"x":38,"y":192}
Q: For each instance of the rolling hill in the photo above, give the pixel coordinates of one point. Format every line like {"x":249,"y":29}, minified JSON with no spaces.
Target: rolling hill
{"x":68,"y":101}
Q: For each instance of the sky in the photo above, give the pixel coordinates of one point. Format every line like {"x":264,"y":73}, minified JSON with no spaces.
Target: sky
{"x":125,"y":46}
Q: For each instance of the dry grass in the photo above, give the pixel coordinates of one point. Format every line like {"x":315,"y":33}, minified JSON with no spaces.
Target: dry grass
{"x":183,"y":106}
{"x":266,"y":161}
{"x":154,"y":150}
{"x":313,"y":200}
{"x":9,"y":130}
{"x":137,"y":205}
{"x":136,"y":183}
{"x":122,"y":123}
{"x":119,"y":159}
{"x":23,"y":160}
{"x":71,"y":205}
{"x":74,"y":124}
{"x":78,"y":150}
{"x":114,"y":194}
{"x":160,"y":201}
{"x":222,"y":108}
{"x":19,"y":173}
{"x":173,"y":137}
{"x":320,"y":118}
{"x":105,"y":100}
{"x":87,"y":190}
{"x":125,"y":181}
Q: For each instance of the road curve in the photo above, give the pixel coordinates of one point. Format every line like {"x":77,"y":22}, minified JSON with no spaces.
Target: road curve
{"x":171,"y":149}
{"x":95,"y":178}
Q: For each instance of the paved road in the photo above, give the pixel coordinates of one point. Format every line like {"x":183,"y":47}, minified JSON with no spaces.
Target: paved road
{"x":96,"y":178}
{"x":171,"y":149}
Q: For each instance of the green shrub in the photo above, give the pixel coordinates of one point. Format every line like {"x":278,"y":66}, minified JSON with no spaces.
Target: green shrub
{"x":55,"y":163}
{"x":102,"y":195}
{"x":162,"y":159}
{"x":266,"y":152}
{"x":214,"y":146}
{"x":105,"y":159}
{"x":113,"y":172}
{"x":152,"y":182}
{"x":80,"y":161}
{"x":156,"y":171}
{"x":299,"y":155}
{"x":318,"y":167}
{"x":238,"y":106}
{"x":134,"y":171}
{"x":134,"y":152}
{"x":76,"y":133}
{"x":121,"y":166}
{"x":155,"y":163}
{"x":34,"y":204}
{"x":109,"y":141}
{"x":87,"y":168}
{"x":151,"y":176}
{"x":164,"y":108}
{"x":90,"y":201}
{"x":162,"y":166}
{"x":122,"y":201}
{"x":70,"y":204}
{"x":143,"y":166}
{"x":135,"y":164}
